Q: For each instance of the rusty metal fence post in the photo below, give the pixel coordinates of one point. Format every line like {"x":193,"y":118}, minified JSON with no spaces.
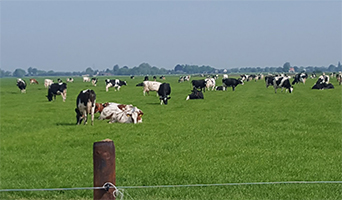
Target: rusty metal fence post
{"x":104,"y":168}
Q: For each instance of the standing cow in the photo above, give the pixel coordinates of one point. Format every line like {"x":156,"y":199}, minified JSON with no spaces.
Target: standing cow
{"x":199,"y":84}
{"x":282,"y":82}
{"x":164,"y":91}
{"x":21,"y":85}
{"x":57,"y":89}
{"x":85,"y":104}
{"x":210,"y":83}
{"x":301,"y":77}
{"x":114,"y":83}
{"x":33,"y":81}
{"x":151,"y":86}
{"x":231,"y":82}
{"x":94,"y":81}
{"x":47,"y":83}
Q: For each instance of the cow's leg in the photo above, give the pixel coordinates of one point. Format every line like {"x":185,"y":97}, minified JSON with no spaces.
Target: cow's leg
{"x":85,"y":118}
{"x":93,"y":113}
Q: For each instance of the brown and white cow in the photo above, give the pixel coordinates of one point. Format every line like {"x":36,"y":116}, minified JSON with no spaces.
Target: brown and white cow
{"x":32,"y":81}
{"x":121,"y":113}
{"x":151,"y":86}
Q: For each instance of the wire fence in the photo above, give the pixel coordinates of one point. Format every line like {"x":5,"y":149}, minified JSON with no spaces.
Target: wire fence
{"x":108,"y":185}
{"x":119,"y":191}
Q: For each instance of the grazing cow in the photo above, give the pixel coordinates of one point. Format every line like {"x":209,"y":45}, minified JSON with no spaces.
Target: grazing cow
{"x":132,"y":77}
{"x":339,"y":78}
{"x":154,"y":78}
{"x":57,"y":89}
{"x":322,"y":86}
{"x":269,"y":80}
{"x":210,"y":83}
{"x":162,"y":77}
{"x":146,"y":78}
{"x":59,"y":80}
{"x":231,"y":82}
{"x":21,"y":85}
{"x":313,"y":75}
{"x":86,"y":79}
{"x":282,"y":82}
{"x":301,"y":77}
{"x":151,"y":86}
{"x":116,"y":83}
{"x":32,"y":81}
{"x":94,"y":81}
{"x":70,"y":80}
{"x":195,"y":95}
{"x":219,"y":87}
{"x":199,"y":84}
{"x":164,"y":92}
{"x":187,"y":78}
{"x":121,"y":113}
{"x":181,"y":79}
{"x":47,"y":82}
{"x":85,"y":104}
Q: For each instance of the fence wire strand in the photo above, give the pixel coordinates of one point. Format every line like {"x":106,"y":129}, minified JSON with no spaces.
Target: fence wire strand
{"x":110,"y":185}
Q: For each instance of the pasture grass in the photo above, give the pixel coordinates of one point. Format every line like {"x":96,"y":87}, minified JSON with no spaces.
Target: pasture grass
{"x":249,"y":135}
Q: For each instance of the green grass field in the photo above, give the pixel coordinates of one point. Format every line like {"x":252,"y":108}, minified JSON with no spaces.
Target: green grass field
{"x":249,"y":135}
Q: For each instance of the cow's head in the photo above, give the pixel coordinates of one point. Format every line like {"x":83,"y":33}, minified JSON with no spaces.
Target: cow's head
{"x":291,"y":89}
{"x":164,"y":99}
{"x":49,"y":97}
{"x":99,"y":107}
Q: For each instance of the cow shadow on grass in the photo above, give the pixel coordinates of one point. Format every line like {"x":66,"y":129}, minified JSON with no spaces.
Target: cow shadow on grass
{"x":158,"y":103}
{"x":65,"y":124}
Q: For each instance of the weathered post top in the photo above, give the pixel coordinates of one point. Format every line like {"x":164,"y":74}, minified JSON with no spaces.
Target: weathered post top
{"x":104,"y":168}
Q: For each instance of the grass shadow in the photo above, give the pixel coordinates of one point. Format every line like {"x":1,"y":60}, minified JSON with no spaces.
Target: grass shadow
{"x":65,"y":124}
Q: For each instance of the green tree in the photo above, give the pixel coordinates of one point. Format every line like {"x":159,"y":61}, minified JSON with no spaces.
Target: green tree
{"x":116,"y":69}
{"x":89,"y":71}
{"x":286,"y":67}
{"x":19,"y":73}
{"x":332,"y":68}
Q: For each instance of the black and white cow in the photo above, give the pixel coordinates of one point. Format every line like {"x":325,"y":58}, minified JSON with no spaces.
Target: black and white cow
{"x":219,"y":88}
{"x":57,"y":89}
{"x":269,"y":80}
{"x":164,"y":91}
{"x":132,"y":77}
{"x":195,"y":95}
{"x":85,"y":104}
{"x":231,"y":82}
{"x":339,"y":78}
{"x":282,"y":82}
{"x":322,"y":86}
{"x":199,"y":84}
{"x":94,"y":81}
{"x":146,"y":78}
{"x":114,"y":83}
{"x":323,"y":79}
{"x":21,"y":85}
{"x":301,"y":77}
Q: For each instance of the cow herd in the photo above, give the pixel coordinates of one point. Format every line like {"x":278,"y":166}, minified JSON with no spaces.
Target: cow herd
{"x":86,"y":100}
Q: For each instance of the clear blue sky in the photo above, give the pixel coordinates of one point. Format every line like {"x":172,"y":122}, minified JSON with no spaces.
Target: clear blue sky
{"x":74,"y":35}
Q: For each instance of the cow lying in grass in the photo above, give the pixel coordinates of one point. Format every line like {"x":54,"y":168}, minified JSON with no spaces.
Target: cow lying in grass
{"x":121,"y":113}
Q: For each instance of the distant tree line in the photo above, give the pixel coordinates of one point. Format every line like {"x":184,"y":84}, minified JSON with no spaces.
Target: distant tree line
{"x":146,"y":69}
